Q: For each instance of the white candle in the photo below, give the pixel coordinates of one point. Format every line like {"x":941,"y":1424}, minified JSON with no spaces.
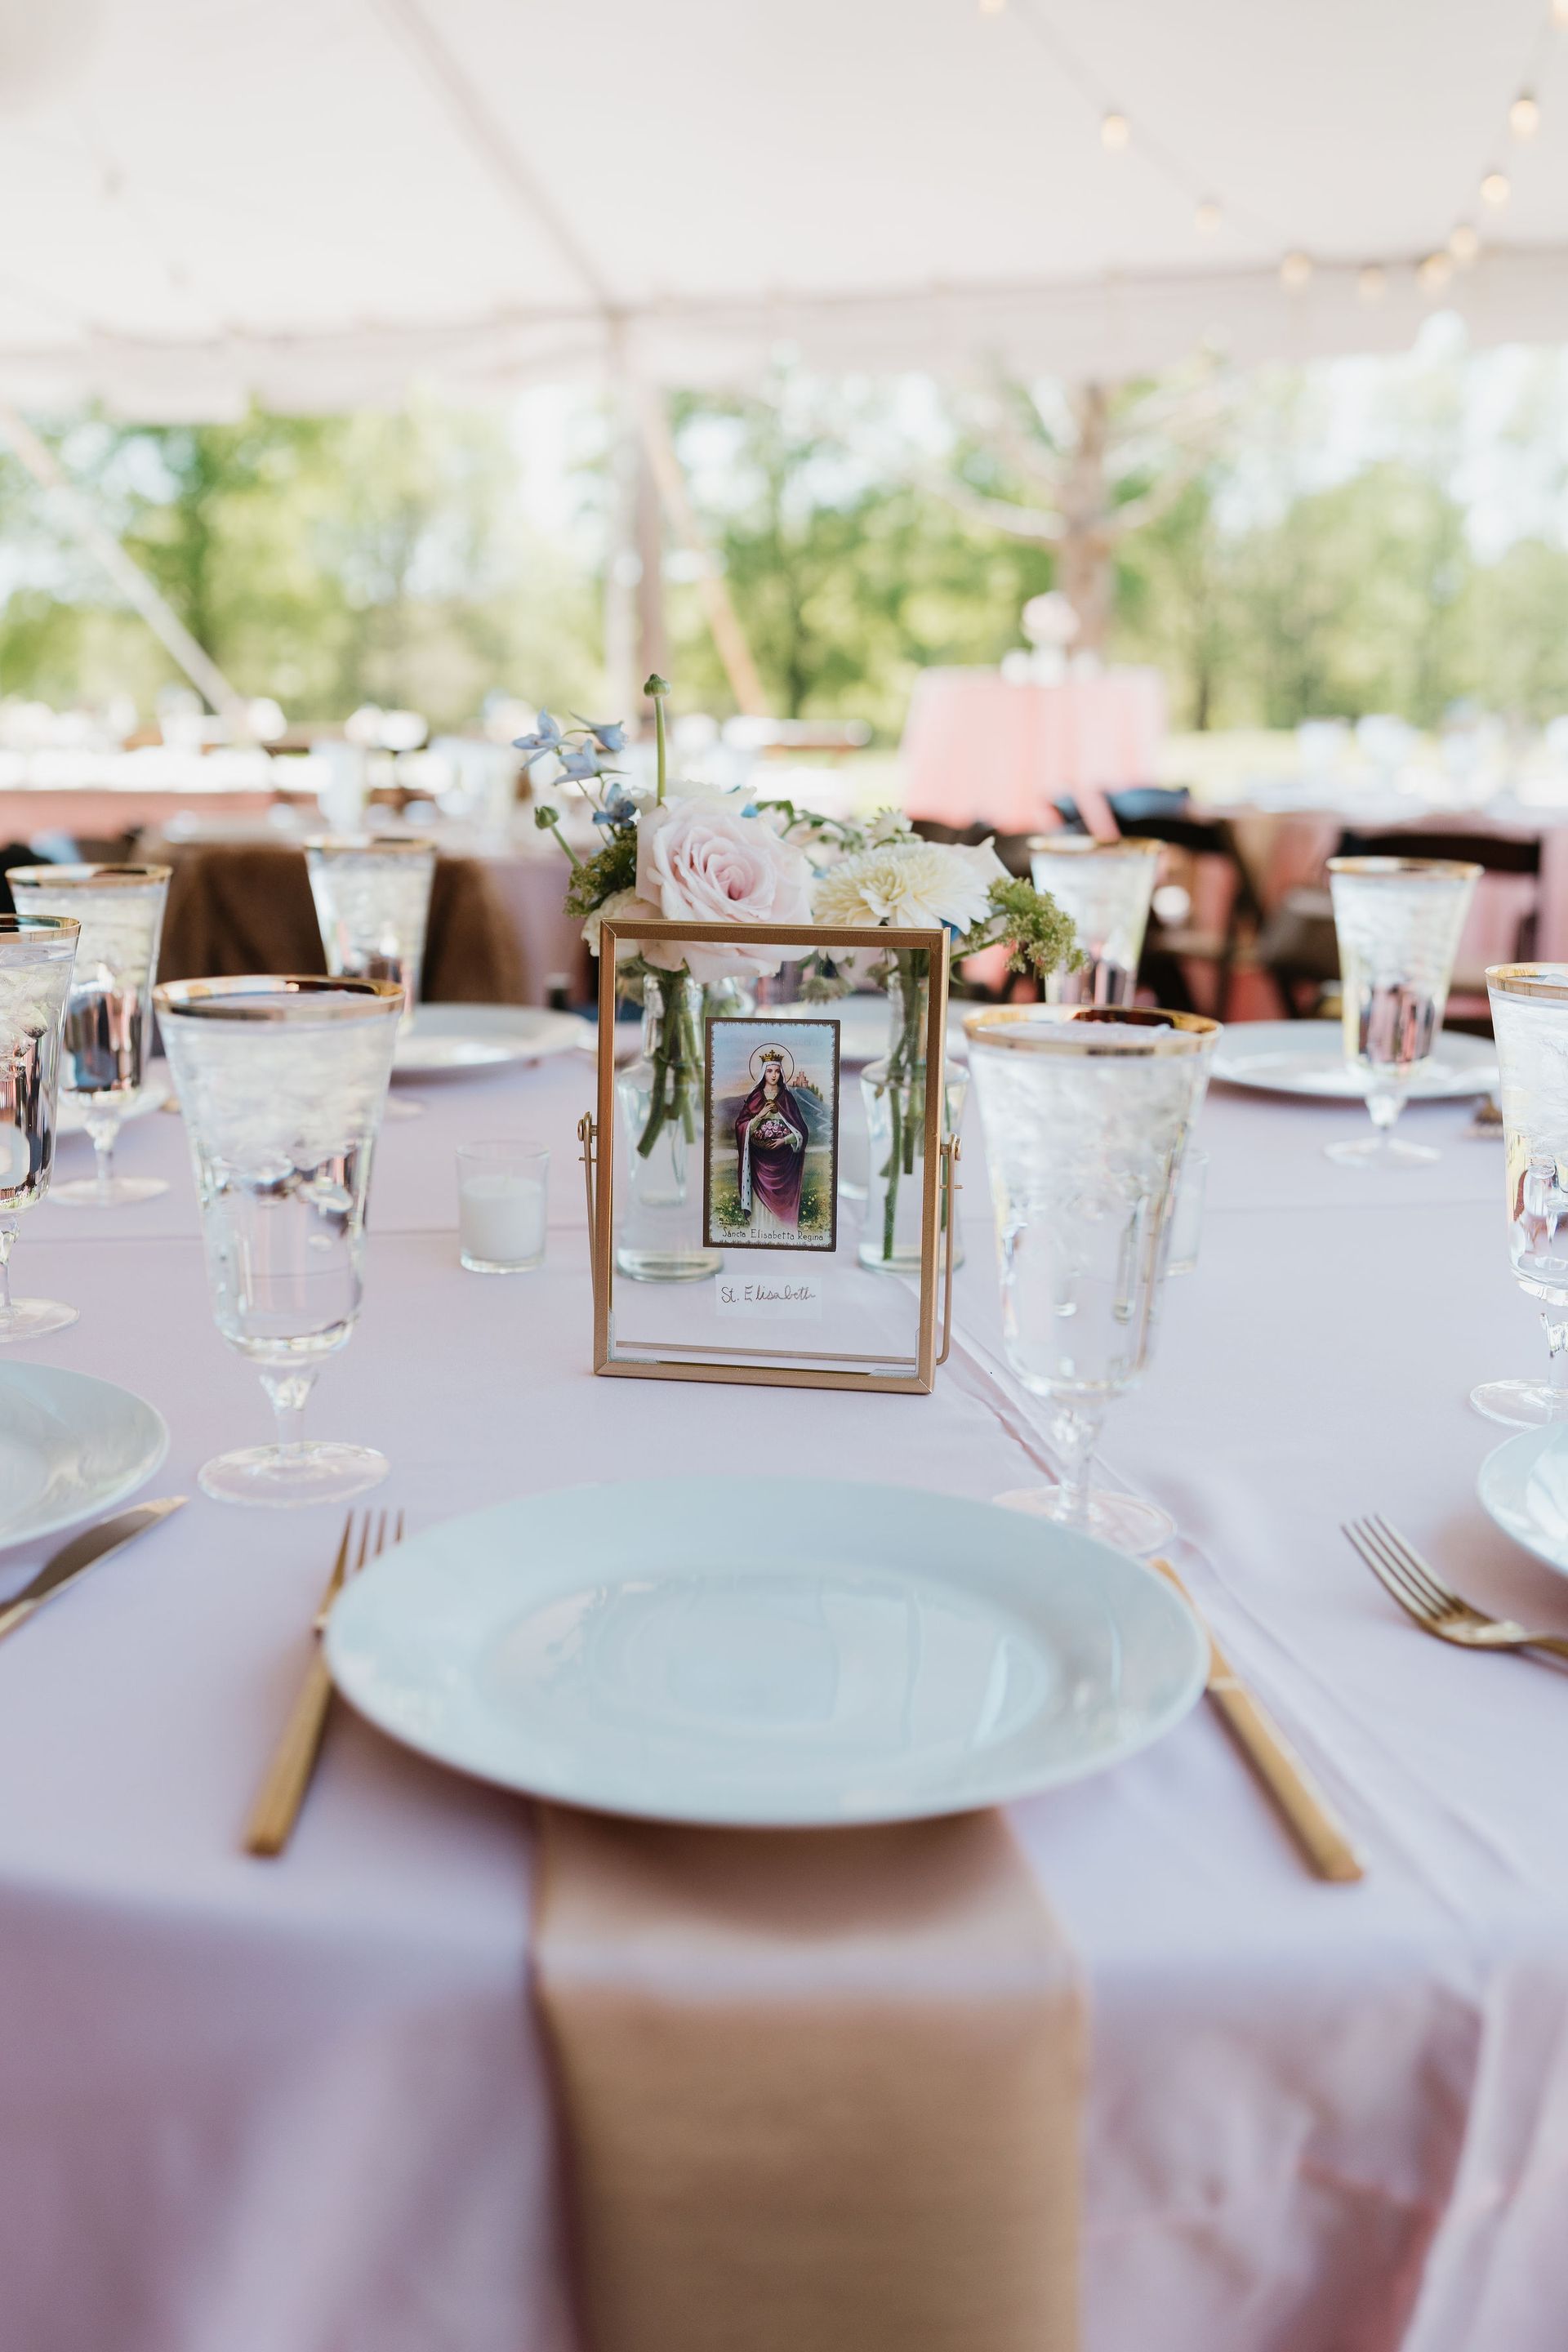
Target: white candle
{"x":501,"y":1219}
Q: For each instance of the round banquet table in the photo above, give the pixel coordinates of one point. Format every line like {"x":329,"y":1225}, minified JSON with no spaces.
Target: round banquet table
{"x":301,"y":2105}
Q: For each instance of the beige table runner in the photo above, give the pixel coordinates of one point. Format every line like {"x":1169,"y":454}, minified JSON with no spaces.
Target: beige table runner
{"x":820,"y":2090}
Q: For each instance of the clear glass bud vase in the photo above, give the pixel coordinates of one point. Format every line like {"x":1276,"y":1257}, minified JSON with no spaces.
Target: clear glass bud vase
{"x":894,"y":1092}
{"x":661,"y":1092}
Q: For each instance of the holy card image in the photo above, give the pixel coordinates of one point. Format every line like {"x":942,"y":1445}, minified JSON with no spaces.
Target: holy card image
{"x":772,"y":1178}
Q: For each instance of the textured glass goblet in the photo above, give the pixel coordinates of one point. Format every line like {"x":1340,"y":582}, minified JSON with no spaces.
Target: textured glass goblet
{"x":1087,"y":1112}
{"x":108,"y":1033}
{"x":282,"y":1081}
{"x":35,"y":956}
{"x":1104,"y":888}
{"x":1398,"y":920}
{"x":372,"y":903}
{"x":1530,"y":1018}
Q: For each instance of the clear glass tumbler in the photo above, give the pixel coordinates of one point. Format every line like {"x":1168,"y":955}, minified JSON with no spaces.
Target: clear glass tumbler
{"x":503,"y":1197}
{"x":281,"y":1080}
{"x":1104,"y":888}
{"x":1529,"y":1017}
{"x":35,"y":956}
{"x":108,"y":1033}
{"x":1398,"y":920}
{"x":1087,"y":1113}
{"x":372,"y":903}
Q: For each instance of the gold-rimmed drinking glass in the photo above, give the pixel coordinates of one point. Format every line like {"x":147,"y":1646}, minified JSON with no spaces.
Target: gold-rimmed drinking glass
{"x":1529,"y":1021}
{"x":281,"y":1080}
{"x":1104,"y":888}
{"x":372,"y":903}
{"x":106,"y":1042}
{"x":37,"y":953}
{"x":1398,"y":921}
{"x":1087,"y":1111}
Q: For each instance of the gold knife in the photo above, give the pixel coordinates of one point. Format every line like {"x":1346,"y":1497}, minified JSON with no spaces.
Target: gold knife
{"x":82,"y":1552}
{"x":1303,"y":1805}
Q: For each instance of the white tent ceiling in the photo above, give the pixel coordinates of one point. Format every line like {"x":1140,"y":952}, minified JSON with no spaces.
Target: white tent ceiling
{"x":312,"y":201}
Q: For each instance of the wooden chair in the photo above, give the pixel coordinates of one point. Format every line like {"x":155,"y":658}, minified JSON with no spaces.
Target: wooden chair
{"x":1170,"y":950}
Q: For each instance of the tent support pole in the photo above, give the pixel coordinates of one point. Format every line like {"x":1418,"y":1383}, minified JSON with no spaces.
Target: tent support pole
{"x":718,"y":606}
{"x":129,"y":578}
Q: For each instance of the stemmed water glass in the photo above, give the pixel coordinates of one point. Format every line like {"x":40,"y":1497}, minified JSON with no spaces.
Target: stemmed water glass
{"x":282,"y":1081}
{"x":1530,"y":1018}
{"x":108,"y":1032}
{"x":35,"y":956}
{"x":372,"y":903}
{"x":1398,"y":921}
{"x":1104,"y":888}
{"x":1087,"y":1112}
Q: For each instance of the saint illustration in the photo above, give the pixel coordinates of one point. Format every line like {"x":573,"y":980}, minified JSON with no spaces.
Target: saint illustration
{"x":770,"y":1143}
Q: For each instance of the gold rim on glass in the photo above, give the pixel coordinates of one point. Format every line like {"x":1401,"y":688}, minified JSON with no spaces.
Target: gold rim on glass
{"x":1166,"y":1033}
{"x":21,"y":927}
{"x":1533,"y":983}
{"x":1450,"y":869}
{"x":1082,"y":845}
{"x":371,"y":845}
{"x":230,"y":1000}
{"x":89,"y":878}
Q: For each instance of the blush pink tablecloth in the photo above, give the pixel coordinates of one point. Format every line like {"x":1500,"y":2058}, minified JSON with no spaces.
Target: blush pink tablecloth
{"x":979,"y":749}
{"x":304,"y":2106}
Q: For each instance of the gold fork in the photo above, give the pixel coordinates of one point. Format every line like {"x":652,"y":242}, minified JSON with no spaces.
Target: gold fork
{"x":1403,"y":1572}
{"x":283,"y":1790}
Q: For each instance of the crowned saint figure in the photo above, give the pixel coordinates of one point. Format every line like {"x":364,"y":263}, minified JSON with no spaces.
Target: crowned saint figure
{"x":770,"y":1143}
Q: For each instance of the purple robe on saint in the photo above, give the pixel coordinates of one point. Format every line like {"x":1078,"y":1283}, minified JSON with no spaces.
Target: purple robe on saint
{"x":768,"y":1157}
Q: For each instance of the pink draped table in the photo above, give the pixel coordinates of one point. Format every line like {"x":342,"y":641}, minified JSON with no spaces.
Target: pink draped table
{"x":303,"y":2106}
{"x":982,"y":749}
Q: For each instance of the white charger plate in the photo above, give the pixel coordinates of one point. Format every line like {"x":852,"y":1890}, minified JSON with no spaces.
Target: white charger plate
{"x":1523,"y":1486}
{"x":150,"y":1095}
{"x":70,"y":1447}
{"x":1306,"y":1057}
{"x":766,"y":1653}
{"x":446,"y":1040}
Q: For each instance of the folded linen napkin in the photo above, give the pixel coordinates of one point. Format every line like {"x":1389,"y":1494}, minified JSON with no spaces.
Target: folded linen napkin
{"x":819,"y":2089}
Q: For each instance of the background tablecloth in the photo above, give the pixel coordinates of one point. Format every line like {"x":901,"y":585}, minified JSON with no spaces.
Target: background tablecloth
{"x":982,"y":749}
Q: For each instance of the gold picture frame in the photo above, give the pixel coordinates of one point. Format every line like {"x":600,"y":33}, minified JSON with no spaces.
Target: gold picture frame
{"x":904,"y":1370}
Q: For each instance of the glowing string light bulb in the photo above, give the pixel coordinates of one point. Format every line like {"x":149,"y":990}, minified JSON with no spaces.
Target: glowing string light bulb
{"x":1464,"y":243}
{"x":1205,"y":219}
{"x":1495,"y":190}
{"x":1434,"y":272}
{"x":991,"y":7}
{"x":1295,"y":271}
{"x":1115,"y":131}
{"x":1370,"y":285}
{"x":1524,"y":116}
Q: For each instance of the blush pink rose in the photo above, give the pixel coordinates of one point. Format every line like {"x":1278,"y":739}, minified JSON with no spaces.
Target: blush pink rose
{"x":700,"y":862}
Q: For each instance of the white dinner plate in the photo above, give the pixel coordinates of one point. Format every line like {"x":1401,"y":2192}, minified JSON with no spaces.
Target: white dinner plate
{"x":767,"y":1652}
{"x":71,"y":1446}
{"x":152,"y":1093}
{"x":1306,"y":1057}
{"x":442,"y":1040}
{"x":1523,"y":1486}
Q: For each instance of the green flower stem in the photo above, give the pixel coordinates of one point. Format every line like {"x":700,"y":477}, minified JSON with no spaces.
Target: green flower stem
{"x":675,"y":1060}
{"x":553,"y":826}
{"x":657,"y":688}
{"x":907,"y":1080}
